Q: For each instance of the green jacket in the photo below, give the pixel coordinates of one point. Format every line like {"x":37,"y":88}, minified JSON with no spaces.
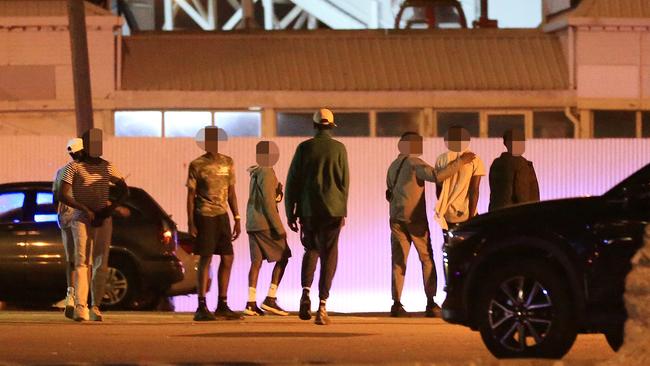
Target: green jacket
{"x":319,"y":179}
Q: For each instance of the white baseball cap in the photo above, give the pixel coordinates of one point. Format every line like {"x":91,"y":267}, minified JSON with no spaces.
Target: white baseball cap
{"x":75,"y":144}
{"x":325,"y":117}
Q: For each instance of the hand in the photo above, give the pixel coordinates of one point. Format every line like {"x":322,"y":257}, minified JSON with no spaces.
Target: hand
{"x":122,"y":211}
{"x":293,"y":225}
{"x":192,"y":229}
{"x":467,"y":157}
{"x":90,"y":215}
{"x":236,"y":230}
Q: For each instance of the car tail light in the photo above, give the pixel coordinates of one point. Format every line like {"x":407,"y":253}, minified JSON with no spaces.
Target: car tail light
{"x":167,"y":237}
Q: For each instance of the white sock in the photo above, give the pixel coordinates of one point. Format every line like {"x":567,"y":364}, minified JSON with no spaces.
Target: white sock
{"x":252,"y":292}
{"x":323,"y":303}
{"x":70,"y":291}
{"x":272,"y":291}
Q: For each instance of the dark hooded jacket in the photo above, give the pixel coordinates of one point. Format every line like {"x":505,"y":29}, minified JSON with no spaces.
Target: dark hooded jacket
{"x":512,"y":181}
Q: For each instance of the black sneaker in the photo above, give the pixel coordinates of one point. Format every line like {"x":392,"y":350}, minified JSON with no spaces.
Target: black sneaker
{"x":433,"y":311}
{"x":252,"y":309}
{"x":305,"y":307}
{"x":224,"y":312}
{"x":321,"y":316}
{"x":270,"y":304}
{"x":397,"y":311}
{"x":202,"y":314}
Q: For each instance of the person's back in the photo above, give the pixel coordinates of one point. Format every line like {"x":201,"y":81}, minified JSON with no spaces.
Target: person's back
{"x":318,"y":182}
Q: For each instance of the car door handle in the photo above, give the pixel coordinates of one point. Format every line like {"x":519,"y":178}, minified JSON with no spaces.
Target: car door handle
{"x":626,"y":239}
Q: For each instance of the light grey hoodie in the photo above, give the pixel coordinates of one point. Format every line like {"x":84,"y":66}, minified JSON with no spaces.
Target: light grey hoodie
{"x":262,"y":208}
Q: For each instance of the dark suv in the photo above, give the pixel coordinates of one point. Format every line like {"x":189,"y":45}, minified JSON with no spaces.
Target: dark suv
{"x":531,"y":277}
{"x":142,"y":262}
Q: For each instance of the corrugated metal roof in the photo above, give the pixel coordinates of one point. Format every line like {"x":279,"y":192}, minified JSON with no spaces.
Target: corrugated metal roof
{"x":486,"y":59}
{"x":43,"y":8}
{"x":613,"y":9}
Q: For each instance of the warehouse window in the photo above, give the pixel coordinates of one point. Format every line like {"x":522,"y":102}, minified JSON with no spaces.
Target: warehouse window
{"x":396,"y":123}
{"x":242,"y":124}
{"x":352,"y":124}
{"x":552,"y":125}
{"x":467,"y":120}
{"x":295,"y":124}
{"x":498,"y":124}
{"x":138,"y":124}
{"x":185,"y":123}
{"x":614,"y":124}
{"x":645,"y":130}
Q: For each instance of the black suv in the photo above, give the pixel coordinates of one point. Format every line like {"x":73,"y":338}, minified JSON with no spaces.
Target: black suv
{"x":142,"y":262}
{"x":531,"y":277}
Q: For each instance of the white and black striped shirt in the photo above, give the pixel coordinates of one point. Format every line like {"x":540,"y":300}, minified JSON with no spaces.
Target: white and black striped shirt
{"x":90,"y":183}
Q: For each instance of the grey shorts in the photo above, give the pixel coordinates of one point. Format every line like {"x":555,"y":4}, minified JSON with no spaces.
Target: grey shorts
{"x":268,"y":245}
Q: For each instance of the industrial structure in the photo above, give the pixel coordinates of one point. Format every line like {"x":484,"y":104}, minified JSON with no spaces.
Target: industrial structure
{"x":584,"y":73}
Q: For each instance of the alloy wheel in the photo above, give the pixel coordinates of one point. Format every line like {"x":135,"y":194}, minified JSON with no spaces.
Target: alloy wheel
{"x":520,"y":313}
{"x":117,"y":287}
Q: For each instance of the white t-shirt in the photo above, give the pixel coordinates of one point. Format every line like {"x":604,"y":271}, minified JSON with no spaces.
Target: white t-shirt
{"x":453,"y":203}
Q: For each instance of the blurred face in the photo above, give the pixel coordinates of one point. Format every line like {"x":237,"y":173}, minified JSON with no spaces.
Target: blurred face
{"x":410,"y":145}
{"x":267,"y":153}
{"x":517,"y":144}
{"x":457,"y":139}
{"x":93,"y":144}
{"x":209,"y":139}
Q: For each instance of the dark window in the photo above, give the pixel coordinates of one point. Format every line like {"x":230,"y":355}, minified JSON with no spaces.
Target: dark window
{"x":352,"y":124}
{"x":468,"y":120}
{"x":614,"y":124}
{"x":295,"y":124}
{"x":11,"y":207}
{"x":396,"y":123}
{"x":646,"y":124}
{"x":498,"y":124}
{"x":551,"y":125}
{"x":45,"y":207}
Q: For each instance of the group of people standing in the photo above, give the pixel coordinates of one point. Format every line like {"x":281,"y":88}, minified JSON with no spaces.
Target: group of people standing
{"x":315,"y":199}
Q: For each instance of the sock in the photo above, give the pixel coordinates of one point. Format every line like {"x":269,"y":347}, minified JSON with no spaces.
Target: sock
{"x":305,"y":291}
{"x":323,"y":302}
{"x":252,"y":294}
{"x":70,"y":291}
{"x":272,"y":290}
{"x":202,"y":301}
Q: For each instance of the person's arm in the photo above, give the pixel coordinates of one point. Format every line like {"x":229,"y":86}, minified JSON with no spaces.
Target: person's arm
{"x":447,"y":172}
{"x":65,"y":196}
{"x":502,"y":182}
{"x":191,"y":196}
{"x":268,"y":186}
{"x":232,"y":202}
{"x":191,"y":226}
{"x":291,"y":193}
{"x":473,"y":194}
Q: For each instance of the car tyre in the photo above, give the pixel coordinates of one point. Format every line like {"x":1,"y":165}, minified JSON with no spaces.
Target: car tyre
{"x":121,"y":286}
{"x":525,"y":310}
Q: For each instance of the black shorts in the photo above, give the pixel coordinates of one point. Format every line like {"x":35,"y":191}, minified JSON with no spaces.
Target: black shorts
{"x":268,"y":245}
{"x":214,"y":236}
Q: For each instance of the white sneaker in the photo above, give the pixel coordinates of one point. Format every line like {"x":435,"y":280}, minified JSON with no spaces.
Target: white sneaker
{"x":69,"y":303}
{"x":96,"y":315}
{"x":81,"y":313}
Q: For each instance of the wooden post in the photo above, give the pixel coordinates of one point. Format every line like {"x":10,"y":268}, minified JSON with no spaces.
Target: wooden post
{"x":80,"y":66}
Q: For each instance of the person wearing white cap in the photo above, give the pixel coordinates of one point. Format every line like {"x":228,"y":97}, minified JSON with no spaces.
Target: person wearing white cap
{"x":64,"y":219}
{"x":317,"y":194}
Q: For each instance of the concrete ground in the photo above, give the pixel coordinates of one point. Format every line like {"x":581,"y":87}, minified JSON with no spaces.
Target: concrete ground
{"x":172,"y":338}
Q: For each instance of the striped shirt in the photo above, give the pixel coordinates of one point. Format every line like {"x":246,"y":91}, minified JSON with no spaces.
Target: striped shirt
{"x":90,"y":183}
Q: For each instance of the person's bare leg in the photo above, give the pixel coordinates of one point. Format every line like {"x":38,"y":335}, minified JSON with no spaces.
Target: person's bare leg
{"x":254,"y":273}
{"x":278,"y":272}
{"x":203,"y":275}
{"x":225,"y":267}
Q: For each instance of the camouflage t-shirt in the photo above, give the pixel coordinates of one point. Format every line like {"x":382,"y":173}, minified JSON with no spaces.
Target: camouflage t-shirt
{"x":210,"y":178}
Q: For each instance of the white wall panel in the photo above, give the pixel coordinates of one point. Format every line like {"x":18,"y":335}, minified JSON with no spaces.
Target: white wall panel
{"x":565,"y":168}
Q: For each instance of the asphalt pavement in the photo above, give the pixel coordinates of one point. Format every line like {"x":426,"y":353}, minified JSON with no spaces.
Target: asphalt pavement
{"x":172,"y":338}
